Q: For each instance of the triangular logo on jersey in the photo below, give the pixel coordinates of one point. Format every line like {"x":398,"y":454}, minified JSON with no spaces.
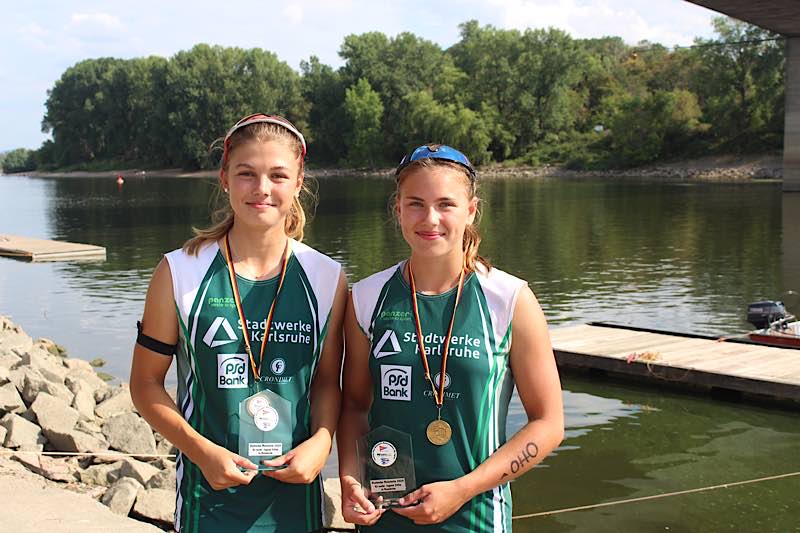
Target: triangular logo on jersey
{"x":209,"y":337}
{"x":388,"y":337}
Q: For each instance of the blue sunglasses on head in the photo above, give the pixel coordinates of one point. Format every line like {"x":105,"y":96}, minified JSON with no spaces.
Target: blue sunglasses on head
{"x":436,"y":151}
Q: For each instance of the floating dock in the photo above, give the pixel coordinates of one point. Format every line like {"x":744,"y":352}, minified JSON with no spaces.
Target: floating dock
{"x":724,"y":367}
{"x":45,"y":250}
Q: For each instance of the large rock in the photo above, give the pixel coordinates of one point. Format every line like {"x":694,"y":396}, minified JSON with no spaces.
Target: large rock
{"x":103,"y":474}
{"x":165,"y":447}
{"x":138,"y":470}
{"x":155,"y":504}
{"x":91,"y":427}
{"x":53,"y":469}
{"x":120,"y":402}
{"x":3,"y":432}
{"x":99,"y":388}
{"x":4,"y":375}
{"x":17,"y":376}
{"x":165,"y":479}
{"x":47,"y":364}
{"x":128,"y":433}
{"x":10,"y":400}
{"x":120,"y":497}
{"x":83,"y":402}
{"x":8,"y":359}
{"x":50,"y":347}
{"x":74,"y":441}
{"x":54,"y":414}
{"x":21,"y":432}
{"x":36,"y":384}
{"x":77,"y":364}
{"x":12,"y":336}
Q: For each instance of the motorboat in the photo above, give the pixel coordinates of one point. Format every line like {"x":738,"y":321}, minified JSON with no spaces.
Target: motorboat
{"x":775,"y":326}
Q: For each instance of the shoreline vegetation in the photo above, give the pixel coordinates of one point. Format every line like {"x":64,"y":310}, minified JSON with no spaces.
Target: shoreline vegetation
{"x":728,"y":168}
{"x":533,"y":102}
{"x":51,"y":402}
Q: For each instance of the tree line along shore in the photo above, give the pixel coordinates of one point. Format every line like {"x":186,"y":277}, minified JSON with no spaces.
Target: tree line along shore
{"x":533,"y":99}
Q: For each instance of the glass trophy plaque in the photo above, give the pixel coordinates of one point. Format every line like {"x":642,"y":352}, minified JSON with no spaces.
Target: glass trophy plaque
{"x":265,"y":427}
{"x":387,"y":466}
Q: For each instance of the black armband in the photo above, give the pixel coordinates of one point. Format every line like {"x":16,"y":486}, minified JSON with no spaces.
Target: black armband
{"x":153,"y":344}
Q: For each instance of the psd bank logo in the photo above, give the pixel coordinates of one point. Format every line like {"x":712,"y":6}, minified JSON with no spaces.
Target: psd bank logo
{"x":390,"y":338}
{"x":232,"y":371}
{"x":210,"y":338}
{"x":396,"y":382}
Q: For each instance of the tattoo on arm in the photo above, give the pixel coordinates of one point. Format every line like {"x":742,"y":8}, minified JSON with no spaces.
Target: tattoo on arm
{"x":526,"y":455}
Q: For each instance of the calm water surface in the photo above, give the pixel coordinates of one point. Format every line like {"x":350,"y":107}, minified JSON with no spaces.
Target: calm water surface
{"x":684,"y":257}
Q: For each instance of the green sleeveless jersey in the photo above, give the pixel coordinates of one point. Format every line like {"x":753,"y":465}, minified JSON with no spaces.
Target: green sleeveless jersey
{"x":478,"y":382}
{"x":214,"y":376}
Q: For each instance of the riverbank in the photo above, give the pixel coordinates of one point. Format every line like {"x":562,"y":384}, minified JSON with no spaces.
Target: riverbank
{"x":727,"y":168}
{"x":62,"y":427}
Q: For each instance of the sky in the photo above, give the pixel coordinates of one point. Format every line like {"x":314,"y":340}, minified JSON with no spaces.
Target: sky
{"x":41,"y":39}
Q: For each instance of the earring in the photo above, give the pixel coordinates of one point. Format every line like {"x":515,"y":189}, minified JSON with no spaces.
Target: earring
{"x":226,"y":190}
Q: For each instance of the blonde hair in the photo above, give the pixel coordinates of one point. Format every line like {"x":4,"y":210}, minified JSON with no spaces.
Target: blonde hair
{"x":472,"y":239}
{"x":222,"y":218}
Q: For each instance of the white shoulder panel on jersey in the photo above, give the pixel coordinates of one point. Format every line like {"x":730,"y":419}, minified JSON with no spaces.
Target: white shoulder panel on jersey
{"x":365,"y":296}
{"x":501,"y":291}
{"x":323,"y":274}
{"x":188,"y":272}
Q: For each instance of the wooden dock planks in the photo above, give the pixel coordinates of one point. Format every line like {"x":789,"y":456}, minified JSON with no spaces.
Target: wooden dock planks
{"x":762,"y":371}
{"x":46,"y":250}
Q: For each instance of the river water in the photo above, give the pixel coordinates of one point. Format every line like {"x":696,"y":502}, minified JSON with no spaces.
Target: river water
{"x":684,"y":257}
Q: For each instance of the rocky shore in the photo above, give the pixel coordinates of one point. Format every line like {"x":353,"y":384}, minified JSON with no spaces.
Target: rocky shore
{"x":728,"y":168}
{"x":94,"y":441}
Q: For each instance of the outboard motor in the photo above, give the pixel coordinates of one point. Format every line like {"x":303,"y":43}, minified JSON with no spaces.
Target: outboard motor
{"x":762,"y":314}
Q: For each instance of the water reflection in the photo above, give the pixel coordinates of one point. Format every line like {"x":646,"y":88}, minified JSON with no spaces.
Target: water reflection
{"x":671,"y":256}
{"x":628,"y":443}
{"x":681,"y":257}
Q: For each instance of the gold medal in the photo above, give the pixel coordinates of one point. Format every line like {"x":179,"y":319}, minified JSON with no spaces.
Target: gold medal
{"x":439,"y":432}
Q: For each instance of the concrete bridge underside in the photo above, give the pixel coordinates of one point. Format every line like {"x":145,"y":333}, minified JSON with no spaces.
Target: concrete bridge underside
{"x":779,"y":16}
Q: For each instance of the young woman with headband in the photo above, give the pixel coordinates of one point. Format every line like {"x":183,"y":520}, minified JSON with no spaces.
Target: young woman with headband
{"x":434,"y":347}
{"x":254,"y":316}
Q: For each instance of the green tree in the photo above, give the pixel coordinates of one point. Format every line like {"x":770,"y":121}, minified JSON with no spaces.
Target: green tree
{"x":324,"y":91}
{"x":208,"y":88}
{"x":739,"y":83}
{"x":395,"y":68}
{"x":654,"y":126}
{"x":363,"y":109}
{"x":81,"y":109}
{"x":19,"y":160}
{"x":522,"y":81}
{"x":453,"y":124}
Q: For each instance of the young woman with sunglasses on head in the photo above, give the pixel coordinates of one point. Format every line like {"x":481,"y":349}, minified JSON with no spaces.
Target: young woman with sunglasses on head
{"x":253,"y":314}
{"x":463,"y":334}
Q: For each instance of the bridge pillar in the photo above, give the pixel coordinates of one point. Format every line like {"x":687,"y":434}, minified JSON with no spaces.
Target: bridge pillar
{"x":791,"y":132}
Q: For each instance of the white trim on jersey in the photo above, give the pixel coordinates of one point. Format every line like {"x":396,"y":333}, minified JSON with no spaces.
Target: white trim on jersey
{"x":365,"y":297}
{"x":316,"y":336}
{"x":320,"y":270}
{"x":501,"y":291}
{"x":192,"y":271}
